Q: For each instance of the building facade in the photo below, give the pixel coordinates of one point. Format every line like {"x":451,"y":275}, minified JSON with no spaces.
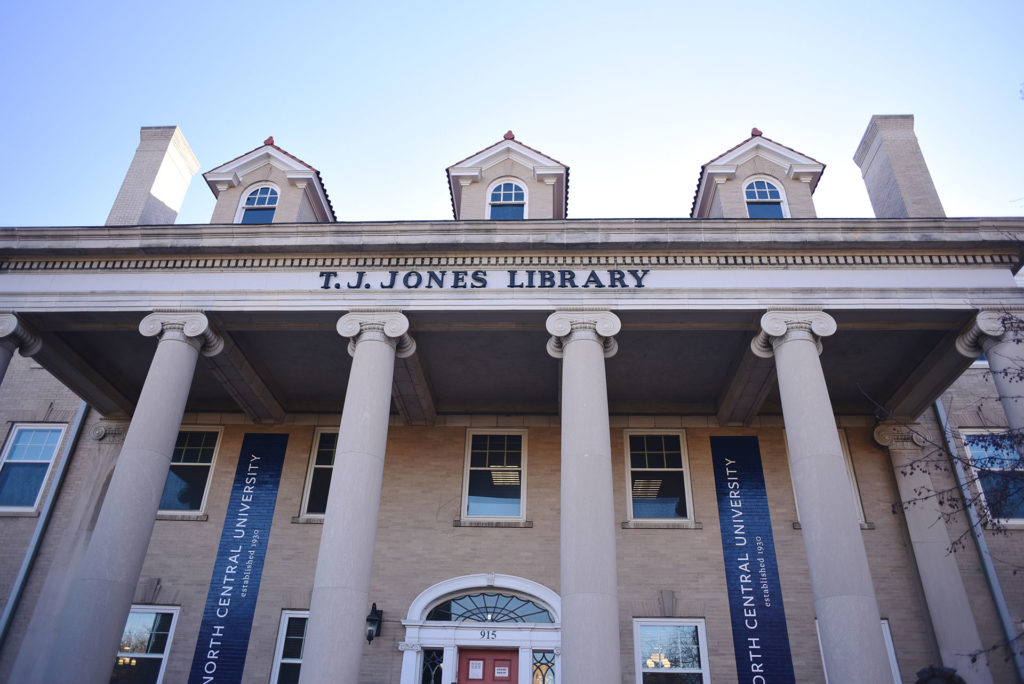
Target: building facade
{"x":512,"y":447}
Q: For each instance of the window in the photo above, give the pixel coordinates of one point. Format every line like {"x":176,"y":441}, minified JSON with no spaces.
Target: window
{"x":999,"y":473}
{"x":764,"y":200}
{"x":259,"y":206}
{"x":543,"y":667}
{"x":670,"y":651}
{"x":291,"y":638}
{"x":318,"y":479}
{"x":433,"y":666}
{"x":507,"y":202}
{"x":189,"y":476}
{"x":495,"y":471}
{"x":25,"y":463}
{"x":489,"y":607}
{"x":850,"y":472}
{"x":145,"y":643}
{"x":894,"y":666}
{"x":658,"y":472}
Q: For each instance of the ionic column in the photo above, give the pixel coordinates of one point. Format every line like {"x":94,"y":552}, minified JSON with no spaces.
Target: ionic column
{"x":844,"y":598}
{"x":14,"y":336}
{"x":340,"y":600}
{"x":101,"y":595}
{"x":589,"y":586}
{"x":944,"y":593}
{"x":1000,"y":335}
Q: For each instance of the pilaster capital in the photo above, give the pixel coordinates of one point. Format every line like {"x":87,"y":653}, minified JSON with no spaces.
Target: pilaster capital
{"x":568,"y":324}
{"x":406,"y":646}
{"x":13,"y":330}
{"x":387,"y":326}
{"x":109,"y":432}
{"x":191,"y":326}
{"x":778,"y":327}
{"x":990,"y":325}
{"x":896,"y":435}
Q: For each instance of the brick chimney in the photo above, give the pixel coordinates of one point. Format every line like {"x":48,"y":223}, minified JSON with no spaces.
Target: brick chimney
{"x":155,"y":185}
{"x":894,"y":170}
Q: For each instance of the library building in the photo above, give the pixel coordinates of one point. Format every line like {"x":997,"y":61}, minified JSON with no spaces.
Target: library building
{"x":747,"y":445}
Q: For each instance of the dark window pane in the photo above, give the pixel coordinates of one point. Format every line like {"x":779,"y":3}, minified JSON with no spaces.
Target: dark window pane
{"x":1004,"y":493}
{"x":757,"y":210}
{"x":493,"y":493}
{"x":673,"y":678}
{"x":318,"y":488}
{"x":135,"y":670}
{"x":288,"y":673}
{"x":432,"y":659}
{"x":261,"y":215}
{"x":295,"y":634}
{"x":184,"y":488}
{"x":507,"y":212}
{"x":658,"y":494}
{"x":20,"y":483}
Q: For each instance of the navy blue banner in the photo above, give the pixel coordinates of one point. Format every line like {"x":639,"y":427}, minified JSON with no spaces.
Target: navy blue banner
{"x":759,"y":633}
{"x":227,"y":619}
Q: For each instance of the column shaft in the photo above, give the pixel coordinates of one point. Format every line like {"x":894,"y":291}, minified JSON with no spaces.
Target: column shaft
{"x":1005,"y":356}
{"x":336,"y":631}
{"x":944,"y":592}
{"x":7,"y":347}
{"x":589,"y":579}
{"x":102,"y":593}
{"x":844,"y":598}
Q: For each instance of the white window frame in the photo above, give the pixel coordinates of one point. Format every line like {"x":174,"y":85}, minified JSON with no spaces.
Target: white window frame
{"x":783,"y":200}
{"x":508,"y":179}
{"x":1013,"y":523}
{"x":626,"y":434}
{"x":522,"y":475}
{"x":209,"y":475}
{"x":240,"y":211}
{"x":850,"y":473}
{"x":15,"y":429}
{"x":279,"y":647}
{"x":145,"y":608}
{"x":638,"y":657}
{"x":310,"y":468}
{"x":894,"y":666}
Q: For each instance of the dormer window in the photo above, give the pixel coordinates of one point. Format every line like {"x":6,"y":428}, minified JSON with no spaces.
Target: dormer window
{"x":259,"y":206}
{"x":764,"y":200}
{"x":507,"y":202}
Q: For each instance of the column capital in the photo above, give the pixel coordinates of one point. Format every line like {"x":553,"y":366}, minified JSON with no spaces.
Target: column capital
{"x":780,"y":326}
{"x":190,"y":326}
{"x":14,"y":331}
{"x":568,"y":324}
{"x":387,"y":326}
{"x":895,"y":435}
{"x":989,"y":325}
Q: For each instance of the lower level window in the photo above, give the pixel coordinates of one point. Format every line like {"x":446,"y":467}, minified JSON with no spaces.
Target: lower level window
{"x":543,"y":667}
{"x":144,"y":645}
{"x":433,"y":663}
{"x":1000,"y":477}
{"x":290,"y":641}
{"x":670,"y":651}
{"x":189,"y":474}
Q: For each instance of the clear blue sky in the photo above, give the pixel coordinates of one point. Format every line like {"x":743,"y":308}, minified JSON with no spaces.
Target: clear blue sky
{"x":381,"y":97}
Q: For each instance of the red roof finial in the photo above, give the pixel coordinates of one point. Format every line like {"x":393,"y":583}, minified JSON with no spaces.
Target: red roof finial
{"x":754,"y":132}
{"x":269,"y":141}
{"x":510,"y":136}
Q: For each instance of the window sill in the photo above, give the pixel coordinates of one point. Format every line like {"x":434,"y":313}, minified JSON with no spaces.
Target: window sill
{"x":1012,"y":524}
{"x":461,"y":522}
{"x":308,"y":520}
{"x":863,"y":525}
{"x":194,"y":517}
{"x":662,"y":525}
{"x":15,"y":513}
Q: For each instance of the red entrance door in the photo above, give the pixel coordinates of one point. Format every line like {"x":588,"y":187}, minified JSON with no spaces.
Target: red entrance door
{"x":488,"y":667}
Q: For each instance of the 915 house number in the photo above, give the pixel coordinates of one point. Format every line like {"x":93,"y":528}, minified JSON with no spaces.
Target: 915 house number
{"x":488,"y":634}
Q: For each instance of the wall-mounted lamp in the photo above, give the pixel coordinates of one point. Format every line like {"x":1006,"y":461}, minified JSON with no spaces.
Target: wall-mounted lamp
{"x":373,"y":622}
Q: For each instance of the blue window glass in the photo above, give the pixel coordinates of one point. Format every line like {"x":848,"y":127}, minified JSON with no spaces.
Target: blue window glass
{"x":191,"y":461}
{"x":1000,"y":474}
{"x":507,"y":212}
{"x":494,"y":481}
{"x":764,"y":200}
{"x":657,"y":479}
{"x":260,"y":206}
{"x":508,"y":202}
{"x":757,"y":210}
{"x":25,"y":462}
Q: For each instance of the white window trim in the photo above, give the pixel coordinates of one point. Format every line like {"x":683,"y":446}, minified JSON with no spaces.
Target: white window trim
{"x":522,"y":475}
{"x":240,"y":211}
{"x":310,"y":467}
{"x":209,"y":476}
{"x":702,"y":636}
{"x":281,"y":632}
{"x":1010,"y":523}
{"x":850,"y":472}
{"x":15,"y":428}
{"x":784,"y":201}
{"x":508,"y":179}
{"x":686,"y":475}
{"x":894,"y":666}
{"x":146,"y":608}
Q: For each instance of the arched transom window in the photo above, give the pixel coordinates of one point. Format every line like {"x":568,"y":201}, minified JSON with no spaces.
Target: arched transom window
{"x":260,"y":205}
{"x":508,"y":202}
{"x":764,"y":200}
{"x":488,"y":607}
